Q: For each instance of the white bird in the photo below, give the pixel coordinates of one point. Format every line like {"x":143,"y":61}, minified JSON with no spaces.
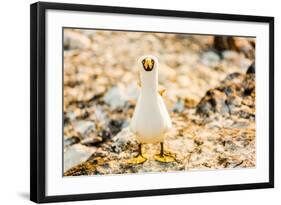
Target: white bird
{"x":151,"y":120}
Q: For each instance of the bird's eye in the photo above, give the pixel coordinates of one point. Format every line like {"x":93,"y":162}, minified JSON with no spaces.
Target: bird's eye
{"x":143,"y":61}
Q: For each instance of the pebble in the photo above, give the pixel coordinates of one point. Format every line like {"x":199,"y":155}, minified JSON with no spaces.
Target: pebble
{"x":183,"y":80}
{"x":83,"y":127}
{"x":179,"y":106}
{"x":75,"y":40}
{"x":71,"y":116}
{"x":92,"y":140}
{"x":115,"y":126}
{"x":76,"y":154}
{"x":210,"y":59}
{"x":230,"y":55}
{"x":116,"y":97}
{"x":241,"y":124}
{"x":105,"y":134}
{"x":166,"y":73}
{"x":100,"y":114}
{"x":71,"y":140}
{"x":133,"y":91}
{"x":214,"y":124}
{"x":123,"y":139}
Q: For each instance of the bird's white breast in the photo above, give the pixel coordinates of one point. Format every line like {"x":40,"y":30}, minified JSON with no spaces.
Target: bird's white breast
{"x":151,"y":119}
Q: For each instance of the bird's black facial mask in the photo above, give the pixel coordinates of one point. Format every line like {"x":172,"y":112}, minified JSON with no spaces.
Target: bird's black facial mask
{"x":148,"y":64}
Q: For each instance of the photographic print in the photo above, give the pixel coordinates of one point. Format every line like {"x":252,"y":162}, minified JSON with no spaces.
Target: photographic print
{"x":149,"y":102}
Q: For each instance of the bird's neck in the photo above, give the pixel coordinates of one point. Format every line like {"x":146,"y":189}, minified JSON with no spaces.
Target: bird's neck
{"x":149,"y":83}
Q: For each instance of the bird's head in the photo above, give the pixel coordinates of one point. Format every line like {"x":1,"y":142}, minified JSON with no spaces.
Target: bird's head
{"x":148,"y":66}
{"x":148,"y":63}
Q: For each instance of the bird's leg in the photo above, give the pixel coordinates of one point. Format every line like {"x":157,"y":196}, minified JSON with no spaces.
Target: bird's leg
{"x":163,"y":157}
{"x":139,"y":158}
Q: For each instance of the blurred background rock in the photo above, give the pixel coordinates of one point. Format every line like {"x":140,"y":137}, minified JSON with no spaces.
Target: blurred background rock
{"x":210,"y":97}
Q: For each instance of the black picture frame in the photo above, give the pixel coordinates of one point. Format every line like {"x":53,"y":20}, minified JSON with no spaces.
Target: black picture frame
{"x":38,"y":100}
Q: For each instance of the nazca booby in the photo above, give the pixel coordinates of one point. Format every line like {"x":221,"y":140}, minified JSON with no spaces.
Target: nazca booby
{"x":151,"y":120}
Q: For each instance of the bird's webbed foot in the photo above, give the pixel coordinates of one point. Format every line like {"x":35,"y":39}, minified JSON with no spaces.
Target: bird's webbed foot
{"x":139,"y":158}
{"x":164,"y":157}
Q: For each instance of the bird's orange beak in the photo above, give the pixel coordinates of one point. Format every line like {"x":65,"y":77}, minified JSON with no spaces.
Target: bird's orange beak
{"x":148,"y":64}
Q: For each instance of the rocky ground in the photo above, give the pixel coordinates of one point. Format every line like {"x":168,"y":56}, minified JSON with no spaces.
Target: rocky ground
{"x":209,"y":94}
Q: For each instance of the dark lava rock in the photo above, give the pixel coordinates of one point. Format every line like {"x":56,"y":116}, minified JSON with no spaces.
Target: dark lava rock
{"x":222,"y":43}
{"x":124,"y":140}
{"x":235,"y":96}
{"x":93,"y":140}
{"x":115,"y":126}
{"x":252,"y":68}
{"x":86,"y":168}
{"x":105,"y":134}
{"x":71,"y":140}
{"x":214,"y":101}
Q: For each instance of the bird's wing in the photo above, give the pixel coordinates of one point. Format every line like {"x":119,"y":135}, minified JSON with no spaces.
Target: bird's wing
{"x":162,"y":92}
{"x":133,"y":123}
{"x":168,"y":122}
